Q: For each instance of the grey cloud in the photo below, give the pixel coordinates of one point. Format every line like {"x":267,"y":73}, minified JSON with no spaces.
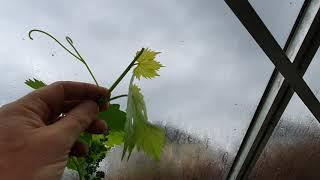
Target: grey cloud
{"x":214,"y":76}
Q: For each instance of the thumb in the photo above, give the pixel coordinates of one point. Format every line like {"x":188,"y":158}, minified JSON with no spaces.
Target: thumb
{"x":77,"y":120}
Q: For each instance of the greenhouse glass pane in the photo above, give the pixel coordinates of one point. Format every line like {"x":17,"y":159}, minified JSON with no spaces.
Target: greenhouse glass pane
{"x":312,"y":75}
{"x":293,"y":149}
{"x":279,"y":16}
{"x":214,"y":73}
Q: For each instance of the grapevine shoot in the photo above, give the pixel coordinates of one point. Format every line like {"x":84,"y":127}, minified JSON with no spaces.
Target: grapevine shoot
{"x":131,"y":128}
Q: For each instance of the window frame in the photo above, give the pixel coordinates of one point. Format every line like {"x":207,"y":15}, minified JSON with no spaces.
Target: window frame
{"x":292,"y":62}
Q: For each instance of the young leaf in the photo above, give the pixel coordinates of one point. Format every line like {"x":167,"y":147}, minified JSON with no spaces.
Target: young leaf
{"x":85,"y":138}
{"x":35,"y":84}
{"x":114,"y":117}
{"x":147,"y":66}
{"x":71,"y":164}
{"x":115,"y":138}
{"x":139,"y":132}
{"x":77,"y":164}
{"x":151,"y":139}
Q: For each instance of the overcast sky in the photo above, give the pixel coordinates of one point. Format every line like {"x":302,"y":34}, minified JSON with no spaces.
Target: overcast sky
{"x":215,"y":73}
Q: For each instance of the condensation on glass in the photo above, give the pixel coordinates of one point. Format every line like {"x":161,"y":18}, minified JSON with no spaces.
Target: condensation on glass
{"x":312,"y":75}
{"x":293,"y":150}
{"x":279,"y":16}
{"x":214,"y":77}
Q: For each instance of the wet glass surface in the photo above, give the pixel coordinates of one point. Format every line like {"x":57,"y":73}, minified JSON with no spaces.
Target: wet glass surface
{"x":279,"y":16}
{"x":312,"y":75}
{"x":214,"y":77}
{"x":293,"y":149}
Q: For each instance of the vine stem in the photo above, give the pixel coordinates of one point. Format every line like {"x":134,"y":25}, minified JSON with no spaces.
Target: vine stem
{"x":75,"y":162}
{"x":93,"y":77}
{"x":117,"y":97}
{"x":81,"y":59}
{"x":69,"y":40}
{"x":37,"y":30}
{"x":114,"y":85}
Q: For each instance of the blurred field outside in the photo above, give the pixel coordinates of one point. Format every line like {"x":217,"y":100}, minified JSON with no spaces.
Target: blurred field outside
{"x":293,"y":152}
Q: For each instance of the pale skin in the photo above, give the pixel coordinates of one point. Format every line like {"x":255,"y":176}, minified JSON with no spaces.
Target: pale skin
{"x":35,"y":141}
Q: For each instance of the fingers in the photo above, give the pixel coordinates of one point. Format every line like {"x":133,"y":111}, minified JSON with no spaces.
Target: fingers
{"x":68,"y":105}
{"x":51,"y":98}
{"x":79,"y":149}
{"x":77,"y":120}
{"x":82,"y":91}
{"x":66,"y":130}
{"x":98,"y":127}
{"x":104,"y":106}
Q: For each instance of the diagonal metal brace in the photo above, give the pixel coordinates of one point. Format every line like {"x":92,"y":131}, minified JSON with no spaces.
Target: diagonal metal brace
{"x":278,"y":92}
{"x":258,"y":30}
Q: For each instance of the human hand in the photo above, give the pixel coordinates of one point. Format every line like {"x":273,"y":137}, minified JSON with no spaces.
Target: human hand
{"x":35,"y":141}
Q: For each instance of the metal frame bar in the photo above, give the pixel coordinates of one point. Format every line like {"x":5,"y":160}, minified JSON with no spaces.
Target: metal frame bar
{"x":301,"y":46}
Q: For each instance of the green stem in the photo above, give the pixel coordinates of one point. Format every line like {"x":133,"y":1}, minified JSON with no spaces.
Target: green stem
{"x":93,"y":77}
{"x":75,"y":162}
{"x":114,"y":85}
{"x":80,"y":58}
{"x":37,"y":30}
{"x":69,"y":40}
{"x":117,"y":97}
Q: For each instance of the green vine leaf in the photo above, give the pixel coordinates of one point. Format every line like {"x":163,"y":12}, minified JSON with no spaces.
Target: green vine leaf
{"x":35,"y":84}
{"x":115,"y":138}
{"x":71,"y":164}
{"x":85,"y":138}
{"x":114,"y":117}
{"x":147,"y":66}
{"x":139,"y":132}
